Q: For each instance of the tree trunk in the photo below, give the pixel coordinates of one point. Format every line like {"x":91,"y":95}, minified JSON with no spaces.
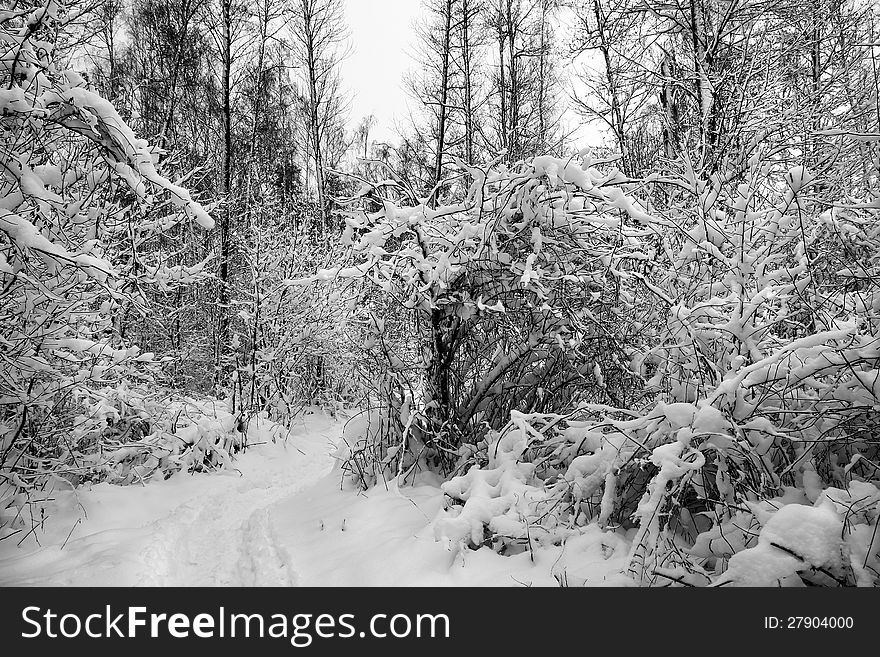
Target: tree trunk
{"x":314,"y":117}
{"x":468,"y":84}
{"x":222,"y":337}
{"x":444,"y":96}
{"x":617,"y":120}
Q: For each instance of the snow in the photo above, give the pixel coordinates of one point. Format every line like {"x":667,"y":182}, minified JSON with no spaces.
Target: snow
{"x":814,"y":533}
{"x":189,"y":530}
{"x":281,"y":517}
{"x":383,"y":538}
{"x":798,"y":178}
{"x":28,"y":236}
{"x":796,"y":537}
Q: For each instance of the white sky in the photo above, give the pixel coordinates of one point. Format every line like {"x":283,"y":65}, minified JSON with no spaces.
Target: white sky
{"x":382,"y":40}
{"x":382,"y":44}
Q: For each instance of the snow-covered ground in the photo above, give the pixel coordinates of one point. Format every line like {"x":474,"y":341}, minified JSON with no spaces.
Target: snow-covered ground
{"x":282,"y":518}
{"x":203,"y":529}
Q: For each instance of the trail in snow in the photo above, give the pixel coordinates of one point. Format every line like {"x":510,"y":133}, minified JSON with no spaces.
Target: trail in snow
{"x":201,"y":530}
{"x":219,"y":540}
{"x":282,"y":518}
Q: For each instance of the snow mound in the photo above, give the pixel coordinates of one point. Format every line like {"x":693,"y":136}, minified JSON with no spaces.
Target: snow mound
{"x":795,"y":538}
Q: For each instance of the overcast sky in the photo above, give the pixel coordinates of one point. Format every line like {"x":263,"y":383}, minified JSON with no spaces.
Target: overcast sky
{"x":382,"y":40}
{"x":382,"y":43}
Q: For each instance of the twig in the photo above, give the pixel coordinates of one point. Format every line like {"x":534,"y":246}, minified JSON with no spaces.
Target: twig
{"x":70,"y":533}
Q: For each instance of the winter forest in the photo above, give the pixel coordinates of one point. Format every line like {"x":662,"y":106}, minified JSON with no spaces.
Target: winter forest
{"x":605,"y":311}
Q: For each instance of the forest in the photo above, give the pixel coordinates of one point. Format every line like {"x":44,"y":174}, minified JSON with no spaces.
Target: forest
{"x":654,"y":347}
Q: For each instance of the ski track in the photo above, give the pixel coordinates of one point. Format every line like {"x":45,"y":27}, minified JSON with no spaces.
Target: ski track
{"x":226,"y":538}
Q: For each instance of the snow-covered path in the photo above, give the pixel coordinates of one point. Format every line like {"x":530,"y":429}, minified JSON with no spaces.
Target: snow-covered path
{"x":202,"y":530}
{"x":281,"y":518}
{"x":223,"y":539}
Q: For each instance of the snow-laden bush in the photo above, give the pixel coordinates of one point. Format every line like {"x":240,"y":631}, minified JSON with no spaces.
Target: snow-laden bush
{"x":81,"y":208}
{"x":574,"y":356}
{"x":129,"y":436}
{"x":509,"y":300}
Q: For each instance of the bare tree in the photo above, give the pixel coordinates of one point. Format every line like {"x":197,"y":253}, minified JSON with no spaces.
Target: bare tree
{"x":233,"y":42}
{"x":523,"y":91}
{"x":612,"y":86}
{"x":319,"y":37}
{"x":449,"y":87}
